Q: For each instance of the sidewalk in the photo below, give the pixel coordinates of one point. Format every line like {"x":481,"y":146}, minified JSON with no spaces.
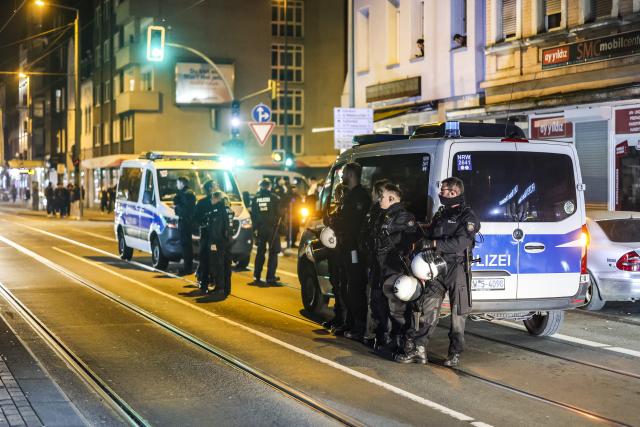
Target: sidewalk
{"x":89,"y":214}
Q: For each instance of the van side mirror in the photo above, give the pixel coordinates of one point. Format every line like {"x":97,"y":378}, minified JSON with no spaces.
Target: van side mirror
{"x":147,"y":197}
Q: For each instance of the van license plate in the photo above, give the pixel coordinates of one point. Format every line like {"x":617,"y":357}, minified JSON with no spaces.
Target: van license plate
{"x":487,"y":284}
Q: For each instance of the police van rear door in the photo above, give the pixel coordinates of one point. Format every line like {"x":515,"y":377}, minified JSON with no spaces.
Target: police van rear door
{"x":490,"y":177}
{"x":550,"y":219}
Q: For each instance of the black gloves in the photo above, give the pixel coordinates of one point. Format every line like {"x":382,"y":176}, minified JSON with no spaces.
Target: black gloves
{"x":426,"y":245}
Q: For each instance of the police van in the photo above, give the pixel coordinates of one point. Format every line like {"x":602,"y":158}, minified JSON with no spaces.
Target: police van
{"x":529,"y":196}
{"x":144,"y":214}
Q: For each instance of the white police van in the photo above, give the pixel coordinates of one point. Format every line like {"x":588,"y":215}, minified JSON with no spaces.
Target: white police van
{"x":528,"y":195}
{"x":144,"y":215}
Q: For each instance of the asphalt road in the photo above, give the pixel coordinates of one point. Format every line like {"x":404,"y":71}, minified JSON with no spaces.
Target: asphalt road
{"x":179,"y":358}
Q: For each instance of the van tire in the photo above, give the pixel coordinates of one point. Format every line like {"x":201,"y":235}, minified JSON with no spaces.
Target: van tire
{"x":125,"y":252}
{"x":593,"y":300}
{"x":545,"y":325}
{"x":158,"y":260}
{"x":312,"y":298}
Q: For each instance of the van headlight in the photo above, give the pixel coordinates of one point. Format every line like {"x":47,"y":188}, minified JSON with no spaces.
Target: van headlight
{"x":245,"y":223}
{"x":172,"y":222}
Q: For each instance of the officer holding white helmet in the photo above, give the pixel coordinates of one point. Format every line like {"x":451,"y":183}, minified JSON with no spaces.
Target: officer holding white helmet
{"x":451,"y":235}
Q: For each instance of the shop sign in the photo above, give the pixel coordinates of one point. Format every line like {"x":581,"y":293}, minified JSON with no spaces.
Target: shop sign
{"x":628,"y":121}
{"x":551,"y":127}
{"x":598,"y":49}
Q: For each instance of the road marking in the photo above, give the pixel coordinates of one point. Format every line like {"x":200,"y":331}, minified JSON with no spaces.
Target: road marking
{"x":576,"y":340}
{"x":99,"y":236}
{"x":357,"y":374}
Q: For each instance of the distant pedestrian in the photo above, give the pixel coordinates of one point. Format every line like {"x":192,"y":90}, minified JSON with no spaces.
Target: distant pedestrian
{"x":104,"y":199}
{"x":58,"y":200}
{"x":49,"y":197}
{"x":112,"y":198}
{"x":69,"y":198}
{"x":14,"y":193}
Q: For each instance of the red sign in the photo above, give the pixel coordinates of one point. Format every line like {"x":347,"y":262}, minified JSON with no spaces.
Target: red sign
{"x":551,"y":127}
{"x":558,"y":55}
{"x":628,"y":121}
{"x":261,"y":130}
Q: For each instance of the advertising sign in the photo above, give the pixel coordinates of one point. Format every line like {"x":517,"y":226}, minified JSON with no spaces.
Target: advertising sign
{"x":628,"y":121}
{"x":348,"y":122}
{"x":598,"y":49}
{"x":551,"y":127}
{"x":199,"y":84}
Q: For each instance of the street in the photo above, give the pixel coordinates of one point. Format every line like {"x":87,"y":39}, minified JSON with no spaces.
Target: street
{"x":175,"y":357}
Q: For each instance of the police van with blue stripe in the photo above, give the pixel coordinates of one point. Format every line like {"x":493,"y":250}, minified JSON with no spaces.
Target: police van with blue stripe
{"x":529,"y":196}
{"x":144,"y":216}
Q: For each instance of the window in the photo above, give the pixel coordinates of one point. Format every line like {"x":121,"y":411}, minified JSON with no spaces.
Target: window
{"x":97,"y":136}
{"x":107,"y":90}
{"x":289,"y":23}
{"x":621,"y":230}
{"x":459,"y":21}
{"x":106,"y":50}
{"x":129,"y":184}
{"x":98,"y":16}
{"x":58,"y":100}
{"x":293,"y":103}
{"x":129,"y":83}
{"x":149,"y":187}
{"x":552,"y":14}
{"x":417,"y":27}
{"x":596,"y":9}
{"x":298,"y":144}
{"x":116,"y":131}
{"x":129,"y":32}
{"x":106,"y":136}
{"x":97,"y":94}
{"x":393,"y":28}
{"x":293,"y":142}
{"x":117,"y":41}
{"x":362,"y":40}
{"x":517,"y":186}
{"x":197,"y":177}
{"x":146,"y":79}
{"x":509,"y":19}
{"x":98,"y":56}
{"x":293,"y":58}
{"x":117,"y":85}
{"x":127,"y":128}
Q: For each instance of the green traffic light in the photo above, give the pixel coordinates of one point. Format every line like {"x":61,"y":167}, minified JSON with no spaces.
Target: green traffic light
{"x":155,"y":43}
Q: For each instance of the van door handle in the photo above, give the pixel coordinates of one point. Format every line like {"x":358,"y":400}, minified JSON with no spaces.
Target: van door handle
{"x":534,"y":248}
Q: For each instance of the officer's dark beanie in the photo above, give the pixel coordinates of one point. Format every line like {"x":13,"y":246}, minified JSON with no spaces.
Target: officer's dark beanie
{"x":265,"y":183}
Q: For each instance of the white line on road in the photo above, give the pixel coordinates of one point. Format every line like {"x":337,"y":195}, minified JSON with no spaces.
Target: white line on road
{"x":99,"y":236}
{"x":577,"y":340}
{"x":357,"y":374}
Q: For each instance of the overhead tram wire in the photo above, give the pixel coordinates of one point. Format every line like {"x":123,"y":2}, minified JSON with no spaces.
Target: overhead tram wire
{"x":35,"y":36}
{"x":55,"y":45}
{"x":15,"y":11}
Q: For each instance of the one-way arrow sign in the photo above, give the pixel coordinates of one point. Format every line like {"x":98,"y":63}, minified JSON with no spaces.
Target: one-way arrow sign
{"x":262,"y":131}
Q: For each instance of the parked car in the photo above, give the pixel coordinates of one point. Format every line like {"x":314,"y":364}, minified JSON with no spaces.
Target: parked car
{"x":614,"y":258}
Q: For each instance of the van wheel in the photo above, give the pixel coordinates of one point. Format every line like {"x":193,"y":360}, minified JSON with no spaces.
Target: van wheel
{"x":593,"y":300}
{"x":312,"y":297}
{"x":126,"y":253}
{"x":158,"y":260}
{"x":544,"y":325}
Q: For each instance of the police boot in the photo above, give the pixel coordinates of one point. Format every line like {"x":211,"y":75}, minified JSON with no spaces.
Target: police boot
{"x":417,"y":355}
{"x":453,"y":360}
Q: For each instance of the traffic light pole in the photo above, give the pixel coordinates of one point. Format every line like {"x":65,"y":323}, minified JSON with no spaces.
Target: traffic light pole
{"x":78,"y":112}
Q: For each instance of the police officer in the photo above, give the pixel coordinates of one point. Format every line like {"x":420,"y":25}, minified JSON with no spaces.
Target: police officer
{"x":265,"y":214}
{"x":203,"y":211}
{"x":451,"y":234}
{"x":355,"y":206}
{"x":398,"y":232}
{"x":227,"y":247}
{"x":184,"y":204}
{"x":219,"y":238}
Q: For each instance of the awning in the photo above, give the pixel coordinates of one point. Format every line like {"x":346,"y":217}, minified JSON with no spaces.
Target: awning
{"x":103,"y":162}
{"x":25,"y":164}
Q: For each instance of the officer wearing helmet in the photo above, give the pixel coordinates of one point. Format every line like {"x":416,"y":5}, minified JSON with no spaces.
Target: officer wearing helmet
{"x":451,"y":235}
{"x":265,"y":214}
{"x":397,"y":233}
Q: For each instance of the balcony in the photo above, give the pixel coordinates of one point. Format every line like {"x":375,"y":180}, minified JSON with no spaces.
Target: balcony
{"x":128,"y":9}
{"x":137,"y":101}
{"x":130,"y":54}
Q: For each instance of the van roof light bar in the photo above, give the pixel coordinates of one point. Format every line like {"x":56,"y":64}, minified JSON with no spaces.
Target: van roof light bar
{"x":467,"y":130}
{"x":372,"y":138}
{"x":177,"y":155}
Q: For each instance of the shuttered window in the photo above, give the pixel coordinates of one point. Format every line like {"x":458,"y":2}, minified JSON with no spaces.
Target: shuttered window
{"x":601,"y":8}
{"x":591,"y":144}
{"x":508,"y":18}
{"x":553,"y":13}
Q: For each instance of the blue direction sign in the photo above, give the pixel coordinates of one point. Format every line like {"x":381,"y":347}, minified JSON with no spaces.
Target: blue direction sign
{"x":261,"y":113}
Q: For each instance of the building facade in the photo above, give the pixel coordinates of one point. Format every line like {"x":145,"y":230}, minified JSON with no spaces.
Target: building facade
{"x":568,"y":70}
{"x":409,"y":83}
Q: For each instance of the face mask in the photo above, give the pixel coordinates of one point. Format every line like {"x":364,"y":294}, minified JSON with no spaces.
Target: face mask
{"x":451,"y":201}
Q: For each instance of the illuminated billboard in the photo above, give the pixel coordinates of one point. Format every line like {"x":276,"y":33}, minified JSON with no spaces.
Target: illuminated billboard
{"x":199,"y":84}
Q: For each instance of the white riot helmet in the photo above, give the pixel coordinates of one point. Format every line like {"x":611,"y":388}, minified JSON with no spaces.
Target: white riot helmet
{"x":427,"y":266}
{"x":407,"y":288}
{"x":328,"y":238}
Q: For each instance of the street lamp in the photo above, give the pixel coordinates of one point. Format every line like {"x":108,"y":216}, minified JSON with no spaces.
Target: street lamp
{"x":78,"y":115}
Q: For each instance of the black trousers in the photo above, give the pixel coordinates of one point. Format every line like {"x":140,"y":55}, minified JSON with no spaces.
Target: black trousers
{"x":227,"y":270}
{"x":356,"y":295}
{"x":186,"y":242}
{"x":263,"y":241}
{"x":338,"y":279}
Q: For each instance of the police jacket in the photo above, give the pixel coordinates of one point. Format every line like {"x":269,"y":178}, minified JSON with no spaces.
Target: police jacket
{"x":352,"y":216}
{"x":185,"y":204}
{"x":398,"y":232}
{"x":265,"y":210}
{"x":217,"y":225}
{"x":371,"y":227}
{"x":202,"y":210}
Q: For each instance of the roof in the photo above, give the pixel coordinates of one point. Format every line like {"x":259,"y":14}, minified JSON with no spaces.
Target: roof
{"x":601,"y":215}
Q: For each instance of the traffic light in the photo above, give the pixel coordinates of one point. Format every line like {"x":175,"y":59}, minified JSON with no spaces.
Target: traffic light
{"x":289,"y":161}
{"x":235,"y":119}
{"x":155,"y":43}
{"x":278,"y":156}
{"x":274,"y":86}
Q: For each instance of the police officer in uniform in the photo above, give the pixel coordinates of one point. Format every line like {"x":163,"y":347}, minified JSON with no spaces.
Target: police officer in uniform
{"x":265,"y":214}
{"x":219,"y":237}
{"x":355,"y":206}
{"x":184,"y":204}
{"x":398,"y":232}
{"x":202,"y":214}
{"x":227,"y":248}
{"x":451,"y":234}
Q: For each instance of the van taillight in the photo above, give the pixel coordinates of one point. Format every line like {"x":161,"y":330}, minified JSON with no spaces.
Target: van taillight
{"x":629,"y":262}
{"x":584,"y":239}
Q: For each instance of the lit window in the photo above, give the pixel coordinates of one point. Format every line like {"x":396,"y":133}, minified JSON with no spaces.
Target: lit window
{"x":116,"y":131}
{"x":107,"y":90}
{"x":127,"y":127}
{"x":293,"y":58}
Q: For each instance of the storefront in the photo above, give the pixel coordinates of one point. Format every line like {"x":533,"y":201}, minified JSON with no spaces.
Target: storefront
{"x":102,"y":172}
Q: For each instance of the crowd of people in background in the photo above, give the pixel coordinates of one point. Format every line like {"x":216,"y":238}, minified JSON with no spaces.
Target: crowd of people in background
{"x":107,"y":198}
{"x":63,"y":201}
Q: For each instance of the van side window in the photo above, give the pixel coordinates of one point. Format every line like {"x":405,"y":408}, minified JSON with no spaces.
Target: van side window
{"x":133,"y":184}
{"x":330,"y":196}
{"x":149,"y":186}
{"x":409,"y":171}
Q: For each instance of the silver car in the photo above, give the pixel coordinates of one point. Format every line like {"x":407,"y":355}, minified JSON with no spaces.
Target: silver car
{"x":613,"y":259}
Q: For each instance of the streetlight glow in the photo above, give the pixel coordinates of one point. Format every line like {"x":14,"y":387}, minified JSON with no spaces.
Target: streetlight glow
{"x":22,"y":75}
{"x":40,"y":3}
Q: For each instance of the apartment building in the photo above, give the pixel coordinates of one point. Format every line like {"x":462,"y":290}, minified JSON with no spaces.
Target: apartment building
{"x":568,"y":70}
{"x":409,"y":83}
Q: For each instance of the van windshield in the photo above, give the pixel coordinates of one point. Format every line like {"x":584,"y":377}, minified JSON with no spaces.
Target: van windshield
{"x":517,"y":186}
{"x":197,"y":177}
